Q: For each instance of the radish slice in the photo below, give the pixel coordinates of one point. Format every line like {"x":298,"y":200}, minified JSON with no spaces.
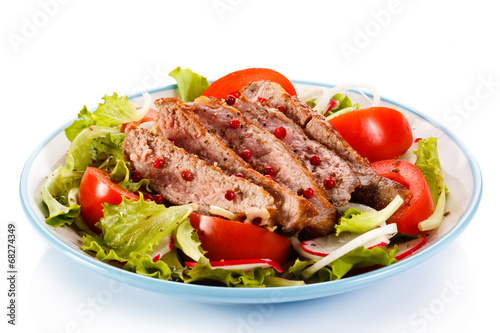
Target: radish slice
{"x":361,"y":240}
{"x":323,"y":246}
{"x":166,"y":245}
{"x":244,"y":264}
{"x":309,"y":253}
{"x":410,"y":247}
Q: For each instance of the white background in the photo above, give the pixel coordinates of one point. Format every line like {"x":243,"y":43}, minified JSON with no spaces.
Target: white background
{"x":437,"y":57}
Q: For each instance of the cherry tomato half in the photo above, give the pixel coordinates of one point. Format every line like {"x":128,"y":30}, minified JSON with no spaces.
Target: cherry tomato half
{"x":97,"y":188}
{"x":420,"y":205}
{"x":377,"y":133}
{"x":231,"y":240}
{"x":233,"y":82}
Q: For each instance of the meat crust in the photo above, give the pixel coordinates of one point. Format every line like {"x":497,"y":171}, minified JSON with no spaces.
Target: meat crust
{"x":207,"y":185}
{"x":322,"y":162}
{"x":374,"y":190}
{"x":178,"y":122}
{"x":267,"y":151}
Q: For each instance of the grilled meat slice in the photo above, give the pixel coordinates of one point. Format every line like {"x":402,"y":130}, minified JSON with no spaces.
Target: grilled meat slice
{"x":266,"y":154}
{"x":178,"y":122}
{"x":183,"y":178}
{"x":329,"y":170}
{"x":374,"y":191}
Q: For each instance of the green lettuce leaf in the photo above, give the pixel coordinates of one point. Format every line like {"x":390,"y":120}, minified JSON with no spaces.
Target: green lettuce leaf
{"x":172,"y":260}
{"x":191,"y":85}
{"x":345,"y":105}
{"x":274,"y":281}
{"x":360,"y":256}
{"x":186,"y":239}
{"x":430,"y":166}
{"x":113,"y":111}
{"x":136,"y":263}
{"x":59,"y":193}
{"x":121,"y":174}
{"x":106,"y":150}
{"x":144,"y":265}
{"x":359,"y":222}
{"x":81,"y":152}
{"x":84,"y":121}
{"x":137,"y":226}
{"x":96,"y":244}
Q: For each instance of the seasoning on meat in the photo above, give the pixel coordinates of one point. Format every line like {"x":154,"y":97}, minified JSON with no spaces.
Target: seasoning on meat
{"x":327,"y":168}
{"x":177,"y":120}
{"x":207,"y":186}
{"x":374,"y":191}
{"x":264,"y":149}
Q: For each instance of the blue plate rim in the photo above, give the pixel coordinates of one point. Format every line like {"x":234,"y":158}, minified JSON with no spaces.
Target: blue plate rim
{"x":257,"y":295}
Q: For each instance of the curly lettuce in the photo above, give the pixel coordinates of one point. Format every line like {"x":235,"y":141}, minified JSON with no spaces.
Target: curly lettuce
{"x":112,"y":112}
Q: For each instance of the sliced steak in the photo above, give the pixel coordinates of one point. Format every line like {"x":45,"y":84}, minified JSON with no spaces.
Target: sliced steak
{"x":178,"y":122}
{"x":375,"y":191}
{"x":268,"y":155}
{"x":329,"y":170}
{"x":183,"y":178}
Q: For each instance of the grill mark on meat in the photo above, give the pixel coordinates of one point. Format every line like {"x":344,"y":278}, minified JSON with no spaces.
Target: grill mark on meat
{"x":374,"y":191}
{"x":208,"y":185}
{"x":330,"y":164}
{"x":177,"y":121}
{"x":266,"y":150}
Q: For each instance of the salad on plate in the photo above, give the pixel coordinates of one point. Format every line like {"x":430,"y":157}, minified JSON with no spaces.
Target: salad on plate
{"x":245,"y":182}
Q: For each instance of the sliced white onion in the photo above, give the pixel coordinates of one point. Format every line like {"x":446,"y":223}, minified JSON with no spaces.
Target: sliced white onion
{"x":145,"y":106}
{"x":147,"y":125}
{"x":434,"y":221}
{"x":323,"y":100}
{"x":310,"y":94}
{"x":361,"y":207}
{"x":254,"y":212}
{"x":215,"y":210}
{"x":73,"y":196}
{"x":355,"y":243}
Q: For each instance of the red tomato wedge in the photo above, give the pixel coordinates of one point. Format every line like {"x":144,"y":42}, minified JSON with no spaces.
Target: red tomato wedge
{"x":231,"y":240}
{"x":377,"y":133}
{"x":150,"y":116}
{"x":420,"y":205}
{"x":97,"y":188}
{"x":233,"y":82}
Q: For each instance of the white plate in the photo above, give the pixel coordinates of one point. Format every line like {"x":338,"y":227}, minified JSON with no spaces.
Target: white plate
{"x":462,"y":176}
